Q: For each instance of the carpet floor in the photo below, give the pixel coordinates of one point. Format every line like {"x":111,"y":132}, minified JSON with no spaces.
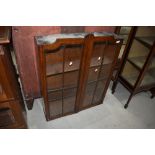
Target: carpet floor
{"x":109,"y":115}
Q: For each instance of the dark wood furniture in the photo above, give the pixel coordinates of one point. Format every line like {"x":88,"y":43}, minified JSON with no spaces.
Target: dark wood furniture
{"x":23,"y":41}
{"x":137,"y":72}
{"x":12,"y":112}
{"x":126,"y":32}
{"x":75,"y":70}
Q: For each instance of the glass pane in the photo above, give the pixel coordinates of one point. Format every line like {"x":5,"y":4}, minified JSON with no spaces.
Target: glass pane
{"x":71,"y":79}
{"x":105,"y":70}
{"x":130,"y":73}
{"x":72,"y":57}
{"x":55,"y":82}
{"x":55,"y":95}
{"x":69,"y":105}
{"x":69,"y":98}
{"x":69,"y":92}
{"x":89,"y":94}
{"x":109,"y":53}
{"x":97,"y":54}
{"x":54,"y":62}
{"x":138,"y":53}
{"x":55,"y":108}
{"x":99,"y":92}
{"x":93,"y":74}
{"x":144,"y":31}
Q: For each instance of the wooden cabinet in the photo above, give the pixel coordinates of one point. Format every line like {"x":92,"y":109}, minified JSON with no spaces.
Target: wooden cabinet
{"x":138,"y":70}
{"x":75,"y":70}
{"x":12,"y":112}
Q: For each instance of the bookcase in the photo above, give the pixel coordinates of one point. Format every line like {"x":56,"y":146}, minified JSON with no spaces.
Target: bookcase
{"x":75,"y":70}
{"x":137,"y":72}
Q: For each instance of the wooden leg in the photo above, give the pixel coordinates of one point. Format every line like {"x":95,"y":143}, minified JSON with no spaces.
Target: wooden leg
{"x":114,"y":86}
{"x":29,"y":103}
{"x":126,"y":105}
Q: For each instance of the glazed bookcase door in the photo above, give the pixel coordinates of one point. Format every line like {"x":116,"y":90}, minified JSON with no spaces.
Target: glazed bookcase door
{"x":101,"y":63}
{"x":62,"y":74}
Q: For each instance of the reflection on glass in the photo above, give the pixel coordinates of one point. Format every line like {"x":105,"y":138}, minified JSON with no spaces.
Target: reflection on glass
{"x":97,"y":54}
{"x":54,"y":62}
{"x":99,"y":92}
{"x":55,"y":82}
{"x":89,"y":94}
{"x":55,"y":108}
{"x":109,"y":53}
{"x":72,"y":57}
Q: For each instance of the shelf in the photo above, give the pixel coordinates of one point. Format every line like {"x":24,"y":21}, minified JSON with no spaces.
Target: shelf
{"x":138,"y":61}
{"x":148,"y":80}
{"x":130,"y":79}
{"x":147,"y":41}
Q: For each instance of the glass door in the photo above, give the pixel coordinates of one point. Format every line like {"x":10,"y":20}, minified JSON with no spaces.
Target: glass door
{"x":99,"y":71}
{"x":62,"y":74}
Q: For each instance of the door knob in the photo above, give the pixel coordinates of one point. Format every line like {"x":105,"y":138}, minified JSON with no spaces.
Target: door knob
{"x":70,"y":63}
{"x":96,"y":70}
{"x":99,"y":58}
{"x":118,"y":41}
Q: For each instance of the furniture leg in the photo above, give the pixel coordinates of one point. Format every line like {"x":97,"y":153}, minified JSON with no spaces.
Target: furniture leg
{"x":126,"y":105}
{"x":114,"y":86}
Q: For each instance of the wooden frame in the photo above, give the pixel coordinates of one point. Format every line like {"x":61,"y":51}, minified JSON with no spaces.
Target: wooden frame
{"x":87,"y":42}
